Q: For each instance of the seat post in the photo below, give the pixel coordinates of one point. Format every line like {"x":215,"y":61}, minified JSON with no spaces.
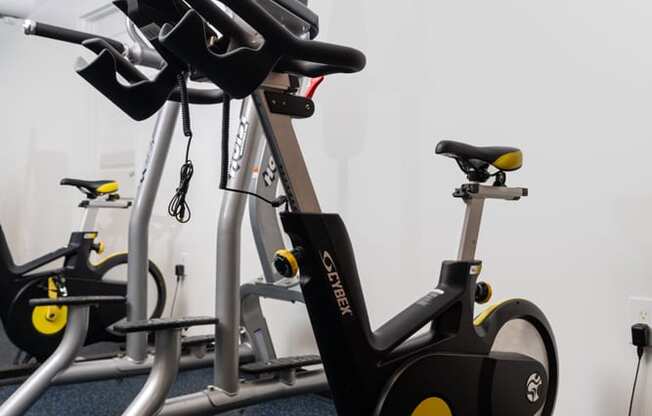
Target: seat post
{"x":471,"y":229}
{"x":90,"y":216}
{"x":474,"y":196}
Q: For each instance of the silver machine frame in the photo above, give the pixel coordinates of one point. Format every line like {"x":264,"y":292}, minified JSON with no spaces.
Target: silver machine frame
{"x":239,"y":304}
{"x":30,"y":391}
{"x":242,"y":333}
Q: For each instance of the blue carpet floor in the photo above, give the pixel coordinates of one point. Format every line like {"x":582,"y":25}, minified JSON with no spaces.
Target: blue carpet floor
{"x":110,"y":398}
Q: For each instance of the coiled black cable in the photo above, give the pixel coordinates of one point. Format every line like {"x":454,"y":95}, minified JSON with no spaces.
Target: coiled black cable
{"x":224,"y":177}
{"x":178,"y":207}
{"x":226,"y":126}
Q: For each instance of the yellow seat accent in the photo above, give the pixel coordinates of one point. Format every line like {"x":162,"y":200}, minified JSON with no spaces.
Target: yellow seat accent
{"x":509,"y":161}
{"x":108,"y":188}
{"x":433,"y":406}
{"x":49,"y":320}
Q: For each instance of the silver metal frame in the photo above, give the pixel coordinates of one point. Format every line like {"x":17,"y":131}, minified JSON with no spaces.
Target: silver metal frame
{"x":473,"y":217}
{"x":227,"y":296}
{"x":31,"y":390}
{"x":139,"y":222}
{"x":236,"y":303}
{"x":284,"y":146}
{"x":263,"y":218}
{"x":151,"y":397}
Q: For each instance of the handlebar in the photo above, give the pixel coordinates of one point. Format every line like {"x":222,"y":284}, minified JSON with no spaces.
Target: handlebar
{"x":347,"y":60}
{"x":243,"y":69}
{"x":142,"y":97}
{"x":66,"y":35}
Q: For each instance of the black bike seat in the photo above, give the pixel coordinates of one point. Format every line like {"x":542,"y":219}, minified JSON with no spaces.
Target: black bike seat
{"x":500,"y":157}
{"x":92,"y":189}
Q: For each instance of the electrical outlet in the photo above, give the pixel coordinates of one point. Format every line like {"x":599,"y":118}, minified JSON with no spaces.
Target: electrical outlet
{"x":640,"y":310}
{"x":182,"y":258}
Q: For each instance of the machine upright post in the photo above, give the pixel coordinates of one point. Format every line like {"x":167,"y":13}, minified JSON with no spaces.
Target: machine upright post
{"x":227,"y":300}
{"x":139,"y":222}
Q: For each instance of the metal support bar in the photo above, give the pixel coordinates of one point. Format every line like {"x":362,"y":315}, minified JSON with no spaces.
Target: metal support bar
{"x":471,"y":229}
{"x":214,"y":401}
{"x":32,"y":389}
{"x":227,"y":300}
{"x":166,"y":366}
{"x":263,"y":217}
{"x":120,"y":367}
{"x":474,"y":196}
{"x":284,"y":145}
{"x":122,"y":203}
{"x":89,"y":219}
{"x":141,"y":215}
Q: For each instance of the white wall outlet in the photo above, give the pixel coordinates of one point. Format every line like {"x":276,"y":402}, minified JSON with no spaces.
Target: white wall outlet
{"x":182,"y":258}
{"x":640,"y":310}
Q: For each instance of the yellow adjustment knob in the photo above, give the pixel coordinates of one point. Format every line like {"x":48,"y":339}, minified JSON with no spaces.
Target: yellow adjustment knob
{"x":98,"y":247}
{"x":286,"y":263}
{"x":50,"y":320}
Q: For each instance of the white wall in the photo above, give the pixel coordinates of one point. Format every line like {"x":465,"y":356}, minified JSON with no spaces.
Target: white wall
{"x":569,"y":82}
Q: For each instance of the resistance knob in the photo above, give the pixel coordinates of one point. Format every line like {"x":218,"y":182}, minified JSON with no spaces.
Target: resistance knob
{"x":286,"y":262}
{"x":483,"y":292}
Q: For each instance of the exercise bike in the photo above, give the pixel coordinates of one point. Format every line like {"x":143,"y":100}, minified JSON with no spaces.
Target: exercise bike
{"x":504,"y":362}
{"x":37,"y":331}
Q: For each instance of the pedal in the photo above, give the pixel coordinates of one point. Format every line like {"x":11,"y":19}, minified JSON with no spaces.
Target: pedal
{"x":280,"y":364}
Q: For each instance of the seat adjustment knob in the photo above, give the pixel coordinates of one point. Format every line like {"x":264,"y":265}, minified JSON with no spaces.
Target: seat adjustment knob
{"x":99,"y":247}
{"x":483,"y":292}
{"x":286,"y":262}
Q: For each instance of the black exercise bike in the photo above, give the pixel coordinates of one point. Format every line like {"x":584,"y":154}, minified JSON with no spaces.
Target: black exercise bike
{"x":500,"y":363}
{"x":37,"y":331}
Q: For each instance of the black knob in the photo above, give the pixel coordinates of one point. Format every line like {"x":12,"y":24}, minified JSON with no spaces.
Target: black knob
{"x":483,"y":292}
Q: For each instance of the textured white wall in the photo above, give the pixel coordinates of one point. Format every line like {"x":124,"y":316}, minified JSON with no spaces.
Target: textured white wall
{"x":569,"y":82}
{"x":17,"y":8}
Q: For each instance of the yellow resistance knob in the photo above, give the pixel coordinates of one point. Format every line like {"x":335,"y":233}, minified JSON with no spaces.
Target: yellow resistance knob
{"x":286,"y":263}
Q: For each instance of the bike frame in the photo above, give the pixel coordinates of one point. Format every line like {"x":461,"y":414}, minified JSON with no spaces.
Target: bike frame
{"x":333,"y":292}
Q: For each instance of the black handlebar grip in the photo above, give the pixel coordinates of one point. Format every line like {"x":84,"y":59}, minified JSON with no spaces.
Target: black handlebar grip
{"x":123,"y":66}
{"x":66,"y":35}
{"x":335,"y":57}
{"x":199,"y":96}
{"x":237,"y":72}
{"x":140,"y":100}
